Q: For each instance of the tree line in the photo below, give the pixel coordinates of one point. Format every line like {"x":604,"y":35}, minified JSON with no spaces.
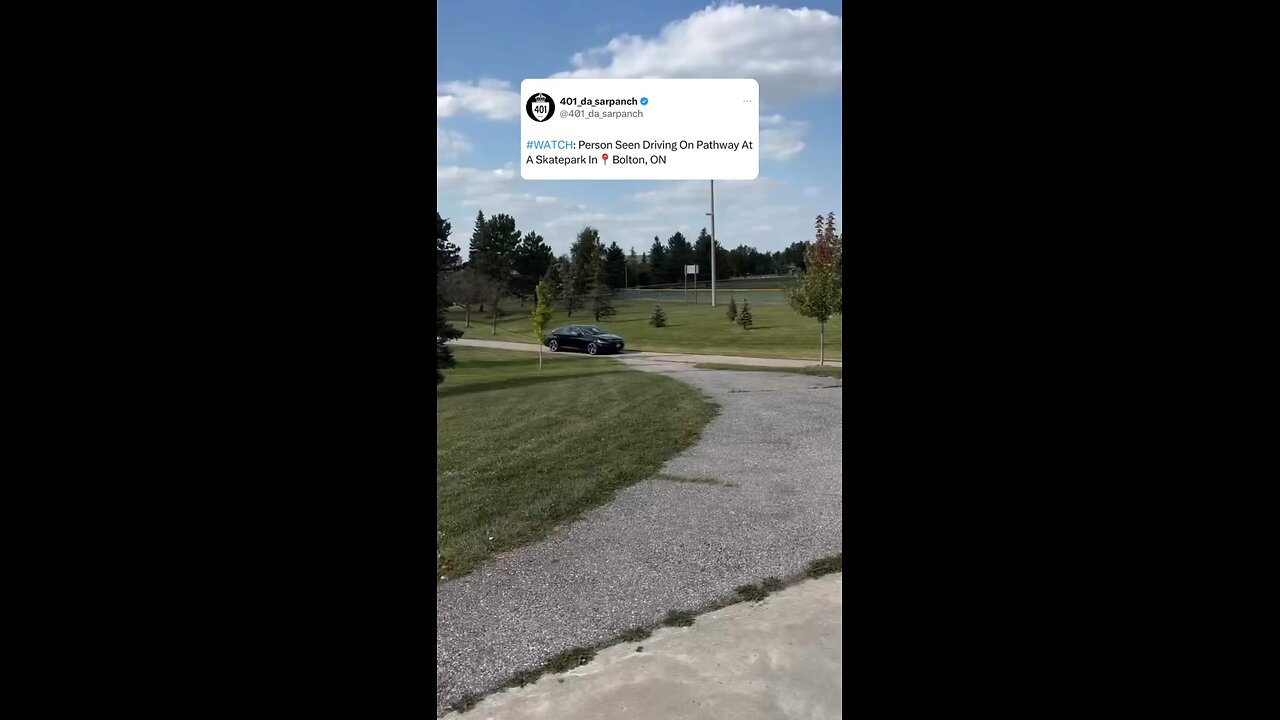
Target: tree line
{"x":503,"y":263}
{"x":664,"y":263}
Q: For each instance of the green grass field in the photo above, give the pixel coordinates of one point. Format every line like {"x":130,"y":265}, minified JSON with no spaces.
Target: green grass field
{"x":779,"y":331}
{"x":520,"y":451}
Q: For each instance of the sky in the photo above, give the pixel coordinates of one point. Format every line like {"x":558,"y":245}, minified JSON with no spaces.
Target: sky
{"x":486,"y":47}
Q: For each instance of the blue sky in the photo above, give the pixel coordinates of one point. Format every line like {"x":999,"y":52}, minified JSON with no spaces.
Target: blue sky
{"x":486,"y":47}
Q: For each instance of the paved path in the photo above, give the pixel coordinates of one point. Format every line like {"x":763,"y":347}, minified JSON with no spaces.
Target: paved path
{"x":669,"y":357}
{"x":675,"y":541}
{"x":779,"y":659}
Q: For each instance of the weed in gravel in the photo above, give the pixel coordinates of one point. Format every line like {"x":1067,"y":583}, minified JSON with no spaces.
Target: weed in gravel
{"x":750,"y":593}
{"x":634,"y":634}
{"x":826,"y":565}
{"x":772,"y":584}
{"x":466,"y":702}
{"x":570,"y":659}
{"x":678,"y":618}
{"x":526,"y":677}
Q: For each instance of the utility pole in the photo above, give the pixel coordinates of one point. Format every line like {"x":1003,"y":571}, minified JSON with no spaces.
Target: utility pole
{"x":713,"y":243}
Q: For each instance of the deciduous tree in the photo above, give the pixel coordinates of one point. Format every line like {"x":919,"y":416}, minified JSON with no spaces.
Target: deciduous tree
{"x":468,"y":288}
{"x":541,"y":315}
{"x":818,"y":294}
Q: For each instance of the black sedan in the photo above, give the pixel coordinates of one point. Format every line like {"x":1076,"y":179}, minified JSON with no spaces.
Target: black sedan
{"x":583,"y":337}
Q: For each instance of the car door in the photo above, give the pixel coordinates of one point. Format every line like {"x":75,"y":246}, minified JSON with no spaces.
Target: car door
{"x":566,"y":338}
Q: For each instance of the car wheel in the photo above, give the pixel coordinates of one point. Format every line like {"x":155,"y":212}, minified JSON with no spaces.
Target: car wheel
{"x":592,"y":349}
{"x":553,"y":345}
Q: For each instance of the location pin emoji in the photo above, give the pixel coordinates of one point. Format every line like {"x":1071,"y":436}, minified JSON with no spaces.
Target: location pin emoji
{"x":605,"y":156}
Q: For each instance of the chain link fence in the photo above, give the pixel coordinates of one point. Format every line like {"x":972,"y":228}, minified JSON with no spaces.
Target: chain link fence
{"x":702,"y":295}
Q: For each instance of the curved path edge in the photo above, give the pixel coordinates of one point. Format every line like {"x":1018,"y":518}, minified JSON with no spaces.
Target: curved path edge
{"x":669,"y":357}
{"x":758,"y":495}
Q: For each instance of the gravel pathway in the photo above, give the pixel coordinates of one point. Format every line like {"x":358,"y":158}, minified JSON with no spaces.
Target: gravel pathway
{"x":672,"y":357}
{"x":664,"y":543}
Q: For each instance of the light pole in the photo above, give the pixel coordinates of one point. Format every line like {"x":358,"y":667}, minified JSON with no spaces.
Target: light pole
{"x":713,"y":243}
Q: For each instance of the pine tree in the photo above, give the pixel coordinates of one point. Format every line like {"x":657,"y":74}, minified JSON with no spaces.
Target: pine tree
{"x":732,"y":314}
{"x":659,"y":318}
{"x":555,"y":282}
{"x":569,"y":293}
{"x":444,"y":331}
{"x":600,"y":305}
{"x":744,"y":317}
{"x":600,"y":289}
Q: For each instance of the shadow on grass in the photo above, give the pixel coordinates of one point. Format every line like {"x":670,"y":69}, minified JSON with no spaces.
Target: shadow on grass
{"x":532,"y":379}
{"x":486,"y":364}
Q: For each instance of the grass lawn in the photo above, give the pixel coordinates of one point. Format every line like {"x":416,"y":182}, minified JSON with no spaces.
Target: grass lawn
{"x":824,"y":371}
{"x":519,"y":451}
{"x":779,"y":331}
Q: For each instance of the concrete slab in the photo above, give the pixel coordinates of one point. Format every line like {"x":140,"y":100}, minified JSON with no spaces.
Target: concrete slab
{"x":779,"y":659}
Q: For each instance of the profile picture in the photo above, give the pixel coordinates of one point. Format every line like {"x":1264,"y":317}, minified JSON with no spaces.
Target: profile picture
{"x":540,"y":107}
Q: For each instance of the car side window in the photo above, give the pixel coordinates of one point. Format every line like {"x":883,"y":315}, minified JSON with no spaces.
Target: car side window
{"x":572,"y":331}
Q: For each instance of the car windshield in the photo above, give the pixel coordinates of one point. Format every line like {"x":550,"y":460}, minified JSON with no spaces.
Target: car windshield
{"x":592,"y":330}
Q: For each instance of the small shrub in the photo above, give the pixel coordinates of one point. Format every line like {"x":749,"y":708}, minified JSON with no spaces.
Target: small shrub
{"x":659,"y":318}
{"x":678,"y":618}
{"x":772,"y":584}
{"x":751,"y":593}
{"x":744,"y":317}
{"x":732,"y":313}
{"x":570,"y":659}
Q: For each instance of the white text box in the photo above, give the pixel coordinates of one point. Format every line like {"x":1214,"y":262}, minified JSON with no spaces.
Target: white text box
{"x":596,"y":129}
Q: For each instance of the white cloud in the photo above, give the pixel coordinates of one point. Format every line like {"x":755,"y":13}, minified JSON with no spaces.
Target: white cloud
{"x":793,"y":53}
{"x":454,"y":177}
{"x":748,"y":212}
{"x":497,"y":191}
{"x":493,"y":99}
{"x":450,"y":143}
{"x":767,"y":213}
{"x":780,"y":138}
